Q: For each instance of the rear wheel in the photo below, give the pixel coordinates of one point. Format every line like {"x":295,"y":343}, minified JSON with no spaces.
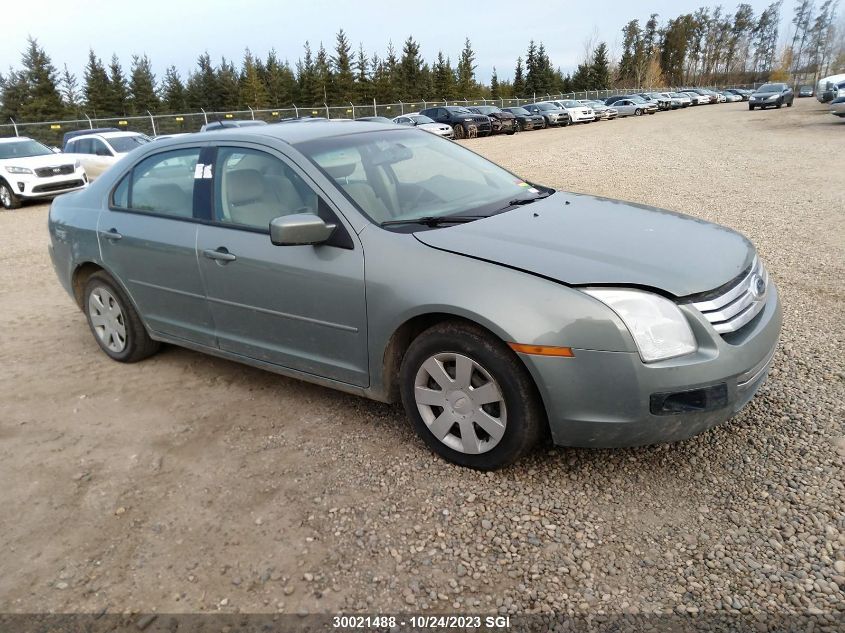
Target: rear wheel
{"x":7,"y":196}
{"x":116,"y":326}
{"x":469,"y":397}
{"x":638,"y":112}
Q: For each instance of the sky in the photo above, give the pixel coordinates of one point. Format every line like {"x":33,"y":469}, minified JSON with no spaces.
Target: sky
{"x":176,"y":32}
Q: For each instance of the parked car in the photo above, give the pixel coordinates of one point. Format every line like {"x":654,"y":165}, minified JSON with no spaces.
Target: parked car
{"x":601,"y":111}
{"x":741,"y":92}
{"x":837,"y":106}
{"x":827,"y":88}
{"x":805,"y":91}
{"x":553,"y":115}
{"x":697,"y":99}
{"x":230,"y":123}
{"x":262,"y":262}
{"x":375,"y":119}
{"x":461,"y":120}
{"x":773,"y":94}
{"x":74,"y":133}
{"x":502,"y":122}
{"x":634,"y":105}
{"x":98,"y":152}
{"x":663,"y":102}
{"x":731,"y":97}
{"x":414,"y":119}
{"x":576,"y":111}
{"x":525,"y":120}
{"x":32,"y":171}
{"x":683,"y":100}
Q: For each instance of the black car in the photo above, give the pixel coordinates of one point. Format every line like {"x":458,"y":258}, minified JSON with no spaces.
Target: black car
{"x":525,"y":120}
{"x":774,"y":94}
{"x":461,"y":119}
{"x":502,"y":122}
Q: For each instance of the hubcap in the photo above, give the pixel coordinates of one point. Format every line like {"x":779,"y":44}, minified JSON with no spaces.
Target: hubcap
{"x":5,"y":196}
{"x":107,"y":319}
{"x":460,"y":403}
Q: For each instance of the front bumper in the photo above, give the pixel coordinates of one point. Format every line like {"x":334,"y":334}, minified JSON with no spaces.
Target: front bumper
{"x":606,"y":399}
{"x":30,"y":186}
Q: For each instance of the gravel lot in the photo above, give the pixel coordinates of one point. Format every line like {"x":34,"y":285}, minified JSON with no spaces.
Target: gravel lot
{"x":187,"y":483}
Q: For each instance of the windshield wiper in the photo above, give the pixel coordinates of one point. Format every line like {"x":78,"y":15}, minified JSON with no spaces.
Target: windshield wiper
{"x":520,"y":201}
{"x":430,"y":220}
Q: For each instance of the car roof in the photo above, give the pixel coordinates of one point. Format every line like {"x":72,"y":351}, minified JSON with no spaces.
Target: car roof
{"x":293,"y":132}
{"x":106,"y":135}
{"x":12,"y":139}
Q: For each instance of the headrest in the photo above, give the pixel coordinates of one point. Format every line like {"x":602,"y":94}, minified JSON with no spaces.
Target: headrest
{"x":244,"y":185}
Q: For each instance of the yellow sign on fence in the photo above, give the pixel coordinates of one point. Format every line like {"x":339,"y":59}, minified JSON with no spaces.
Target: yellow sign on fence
{"x":229,"y":116}
{"x":123,"y":122}
{"x":179,"y":119}
{"x":55,"y":126}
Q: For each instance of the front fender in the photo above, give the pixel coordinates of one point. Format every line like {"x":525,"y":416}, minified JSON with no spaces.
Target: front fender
{"x":408,"y":279}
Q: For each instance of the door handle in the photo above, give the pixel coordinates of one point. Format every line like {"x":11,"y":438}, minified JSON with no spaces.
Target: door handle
{"x":111,"y":234}
{"x":220,"y":254}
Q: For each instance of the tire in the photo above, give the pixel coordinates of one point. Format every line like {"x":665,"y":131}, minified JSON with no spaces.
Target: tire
{"x":779,"y":104}
{"x":103,"y":298}
{"x":789,"y":104}
{"x":7,"y":196}
{"x":520,"y":127}
{"x":638,"y":112}
{"x":460,"y":132}
{"x":750,"y":107}
{"x":566,"y":122}
{"x":512,"y":406}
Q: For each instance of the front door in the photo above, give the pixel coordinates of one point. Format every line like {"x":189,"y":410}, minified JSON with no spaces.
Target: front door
{"x":148,"y":242}
{"x":301,"y":307}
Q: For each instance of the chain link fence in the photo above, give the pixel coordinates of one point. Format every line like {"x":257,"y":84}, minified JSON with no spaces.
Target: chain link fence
{"x":51,"y":132}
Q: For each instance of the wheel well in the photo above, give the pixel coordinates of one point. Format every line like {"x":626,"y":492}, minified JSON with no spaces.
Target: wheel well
{"x":401,"y":340}
{"x":80,"y":278}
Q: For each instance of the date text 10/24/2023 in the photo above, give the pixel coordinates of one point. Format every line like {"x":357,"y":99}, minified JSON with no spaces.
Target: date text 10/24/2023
{"x":353,"y":622}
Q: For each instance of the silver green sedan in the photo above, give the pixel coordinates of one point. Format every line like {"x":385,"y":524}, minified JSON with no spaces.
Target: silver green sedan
{"x":393,"y":264}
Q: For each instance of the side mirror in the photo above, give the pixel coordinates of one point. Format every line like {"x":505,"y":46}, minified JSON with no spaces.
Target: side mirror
{"x":300,"y":229}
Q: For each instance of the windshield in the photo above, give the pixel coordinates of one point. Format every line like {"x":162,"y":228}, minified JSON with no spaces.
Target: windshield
{"x":637,"y":99}
{"x":125,"y":144}
{"x":408,"y":174}
{"x":571,"y":104}
{"x":23,"y":149}
{"x":521,"y":111}
{"x":770,"y":88}
{"x":486,"y":109}
{"x":546,"y":106}
{"x":458,"y":110}
{"x":419,"y":119}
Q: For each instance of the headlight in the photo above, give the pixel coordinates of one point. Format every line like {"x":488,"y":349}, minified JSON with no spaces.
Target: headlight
{"x":658,"y":326}
{"x":18,"y":170}
{"x":467,"y":119}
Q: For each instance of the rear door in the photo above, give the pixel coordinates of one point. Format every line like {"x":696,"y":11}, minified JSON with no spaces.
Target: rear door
{"x":148,"y":242}
{"x":300,"y":307}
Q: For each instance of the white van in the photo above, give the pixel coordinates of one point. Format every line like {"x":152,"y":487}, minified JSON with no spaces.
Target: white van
{"x":827,"y":88}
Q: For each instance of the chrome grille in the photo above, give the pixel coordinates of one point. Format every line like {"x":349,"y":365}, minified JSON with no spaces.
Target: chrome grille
{"x":739,"y":304}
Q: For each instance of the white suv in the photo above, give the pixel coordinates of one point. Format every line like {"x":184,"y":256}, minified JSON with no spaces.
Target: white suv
{"x":100,"y":151}
{"x":30,"y":170}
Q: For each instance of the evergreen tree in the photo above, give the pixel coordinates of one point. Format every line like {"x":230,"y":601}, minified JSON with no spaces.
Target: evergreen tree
{"x":632,"y":52}
{"x":518,"y":79}
{"x":202,"y":90}
{"x":70,"y":91}
{"x":281,"y":83}
{"x":43,"y":99}
{"x":142,"y":89}
{"x":363,"y":85}
{"x":466,"y":71}
{"x":599,"y":78}
{"x":494,"y":85}
{"x":97,"y":87}
{"x":443,"y":77}
{"x":118,"y":93}
{"x":532,"y":73}
{"x":14,"y":94}
{"x":306,"y":78}
{"x":173,"y":92}
{"x":343,"y":81}
{"x":322,"y":75}
{"x":253,"y":92}
{"x":410,"y":71}
{"x":228,"y":86}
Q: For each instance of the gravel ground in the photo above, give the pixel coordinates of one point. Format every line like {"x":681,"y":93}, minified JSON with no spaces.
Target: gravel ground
{"x":187,"y":483}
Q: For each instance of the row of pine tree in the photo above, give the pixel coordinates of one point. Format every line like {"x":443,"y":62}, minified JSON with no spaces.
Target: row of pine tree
{"x":696,"y":48}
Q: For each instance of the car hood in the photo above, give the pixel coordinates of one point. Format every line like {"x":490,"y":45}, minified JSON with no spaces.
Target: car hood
{"x":583,"y":240}
{"x":766,"y":94}
{"x":34,"y":162}
{"x":436,"y":127}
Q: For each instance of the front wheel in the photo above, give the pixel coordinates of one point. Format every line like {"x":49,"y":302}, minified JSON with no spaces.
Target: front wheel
{"x":115,"y":324}
{"x":750,"y":107}
{"x":459,"y":131}
{"x":788,"y":104}
{"x":469,"y":397}
{"x":7,"y":197}
{"x":779,"y":105}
